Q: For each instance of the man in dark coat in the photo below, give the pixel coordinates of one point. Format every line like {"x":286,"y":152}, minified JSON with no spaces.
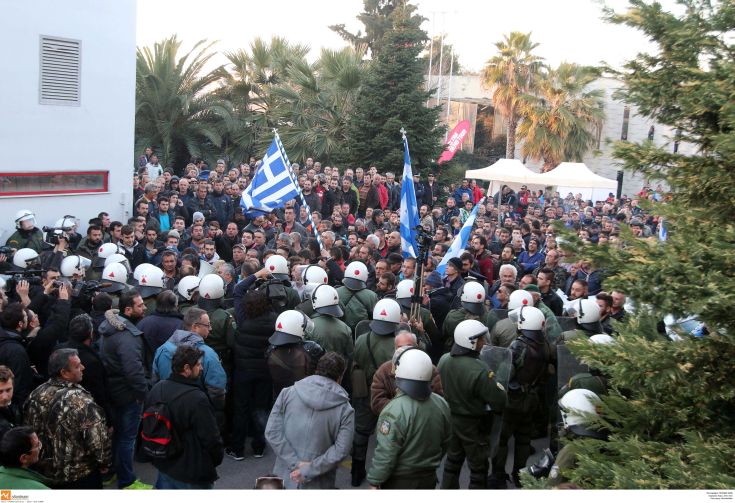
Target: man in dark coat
{"x":195,"y":467}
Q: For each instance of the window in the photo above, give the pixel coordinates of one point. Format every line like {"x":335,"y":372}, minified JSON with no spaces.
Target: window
{"x":626,"y":121}
{"x":60,"y":71}
{"x":53,"y":182}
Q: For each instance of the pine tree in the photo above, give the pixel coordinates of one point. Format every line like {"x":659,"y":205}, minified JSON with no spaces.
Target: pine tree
{"x":670,"y":411}
{"x":394,"y":96}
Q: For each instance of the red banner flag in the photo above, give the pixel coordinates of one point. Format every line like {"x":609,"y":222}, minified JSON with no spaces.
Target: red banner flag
{"x":454,"y":141}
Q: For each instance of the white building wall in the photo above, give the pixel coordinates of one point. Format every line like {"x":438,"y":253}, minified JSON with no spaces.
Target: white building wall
{"x":98,"y":134}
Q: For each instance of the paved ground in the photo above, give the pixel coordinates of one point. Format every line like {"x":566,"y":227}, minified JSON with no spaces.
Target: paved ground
{"x":242,"y":474}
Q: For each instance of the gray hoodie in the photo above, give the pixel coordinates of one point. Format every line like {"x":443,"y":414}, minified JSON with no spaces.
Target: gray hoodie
{"x":311,"y":421}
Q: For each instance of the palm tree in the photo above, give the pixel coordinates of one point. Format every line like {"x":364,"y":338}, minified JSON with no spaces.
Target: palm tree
{"x":510,"y":74}
{"x":249,"y":87}
{"x":175,"y":109}
{"x":557,"y":120}
{"x":316,"y":102}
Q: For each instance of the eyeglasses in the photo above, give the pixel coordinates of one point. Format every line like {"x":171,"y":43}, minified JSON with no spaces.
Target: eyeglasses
{"x":208,"y":325}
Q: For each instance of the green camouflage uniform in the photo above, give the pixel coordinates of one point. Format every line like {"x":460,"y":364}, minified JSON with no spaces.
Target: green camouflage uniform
{"x":72,"y":429}
{"x":412,"y":438}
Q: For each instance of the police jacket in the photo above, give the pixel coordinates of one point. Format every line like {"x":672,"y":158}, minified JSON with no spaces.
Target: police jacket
{"x":468,"y":385}
{"x":412,"y":438}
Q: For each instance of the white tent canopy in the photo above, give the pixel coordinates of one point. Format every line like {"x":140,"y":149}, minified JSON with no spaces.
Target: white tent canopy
{"x":509,"y":171}
{"x":576,"y":174}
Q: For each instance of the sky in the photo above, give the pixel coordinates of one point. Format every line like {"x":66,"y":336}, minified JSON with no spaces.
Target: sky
{"x":566,"y":30}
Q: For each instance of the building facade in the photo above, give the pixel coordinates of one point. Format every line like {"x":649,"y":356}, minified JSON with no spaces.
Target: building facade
{"x":68,"y":108}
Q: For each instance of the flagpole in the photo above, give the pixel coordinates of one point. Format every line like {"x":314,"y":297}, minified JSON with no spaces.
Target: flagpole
{"x":298,"y":188}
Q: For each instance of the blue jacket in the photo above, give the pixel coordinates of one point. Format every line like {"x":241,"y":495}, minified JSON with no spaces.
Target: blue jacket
{"x":458,"y":194}
{"x":530,"y":262}
{"x":213,"y":374}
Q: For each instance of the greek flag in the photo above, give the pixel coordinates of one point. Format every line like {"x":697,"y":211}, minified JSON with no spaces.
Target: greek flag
{"x":663,"y":232}
{"x":272,"y":186}
{"x":409,"y":211}
{"x":460,"y":241}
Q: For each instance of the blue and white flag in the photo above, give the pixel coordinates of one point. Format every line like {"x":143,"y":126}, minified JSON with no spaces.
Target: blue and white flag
{"x":272,"y":186}
{"x":663,"y":232}
{"x":460,"y":241}
{"x":409,"y":210}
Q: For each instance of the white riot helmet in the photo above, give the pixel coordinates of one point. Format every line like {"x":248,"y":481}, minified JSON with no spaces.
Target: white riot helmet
{"x":313,"y":274}
{"x":356,"y":275}
{"x":467,"y":332}
{"x":386,"y":317}
{"x":519,"y":298}
{"x":74,"y":265}
{"x":23,"y":216}
{"x":277,"y":266}
{"x":212,"y":287}
{"x":25,"y":257}
{"x":291,"y":327}
{"x":413,"y":373}
{"x":187,"y":286}
{"x":68,"y":223}
{"x":118,"y":258}
{"x":473,"y":297}
{"x":576,"y":407}
{"x":117,"y":275}
{"x":325,"y":300}
{"x":586,"y":311}
{"x":107,"y":249}
{"x":602,"y":339}
{"x":404,"y":292}
{"x":151,"y":281}
{"x":529,"y":319}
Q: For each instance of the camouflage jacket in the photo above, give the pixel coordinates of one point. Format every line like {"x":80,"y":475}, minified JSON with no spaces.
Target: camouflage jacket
{"x":72,"y":430}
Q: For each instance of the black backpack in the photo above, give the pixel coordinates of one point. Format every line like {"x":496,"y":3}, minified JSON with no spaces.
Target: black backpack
{"x":159,"y":436}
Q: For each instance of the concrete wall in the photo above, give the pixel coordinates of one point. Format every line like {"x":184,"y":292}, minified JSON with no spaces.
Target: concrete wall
{"x":98,"y":134}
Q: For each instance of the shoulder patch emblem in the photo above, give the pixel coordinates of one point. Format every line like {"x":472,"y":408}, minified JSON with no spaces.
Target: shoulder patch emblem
{"x":385,"y":427}
{"x":490,"y":374}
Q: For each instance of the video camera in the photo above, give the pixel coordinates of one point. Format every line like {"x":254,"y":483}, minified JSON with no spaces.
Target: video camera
{"x":54,"y":233}
{"x":6,"y":250}
{"x":32,"y":276}
{"x":275,"y":290}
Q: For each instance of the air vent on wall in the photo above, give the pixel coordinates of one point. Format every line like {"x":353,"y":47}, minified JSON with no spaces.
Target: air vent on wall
{"x":60,"y":71}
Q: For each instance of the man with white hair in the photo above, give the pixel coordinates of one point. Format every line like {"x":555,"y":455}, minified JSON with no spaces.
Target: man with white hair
{"x":506,"y":274}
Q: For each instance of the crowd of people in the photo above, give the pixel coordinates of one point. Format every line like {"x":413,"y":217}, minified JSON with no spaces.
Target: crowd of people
{"x":270,"y":333}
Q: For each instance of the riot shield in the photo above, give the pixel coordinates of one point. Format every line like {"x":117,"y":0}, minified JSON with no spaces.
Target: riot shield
{"x":567,"y":365}
{"x":567,"y":323}
{"x":362,"y":327}
{"x":500,"y":363}
{"x":501,"y":313}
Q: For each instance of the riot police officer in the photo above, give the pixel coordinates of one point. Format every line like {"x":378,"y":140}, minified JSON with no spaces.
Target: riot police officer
{"x":413,"y":429}
{"x":469,"y":389}
{"x":188,"y":291}
{"x":472,"y":299}
{"x":587,"y":314}
{"x":425,"y":328}
{"x":358,"y":301}
{"x":27,"y":234}
{"x":331,"y":333}
{"x":291,"y":358}
{"x":532,"y":356}
{"x":372,"y":349}
{"x":222,"y":335}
